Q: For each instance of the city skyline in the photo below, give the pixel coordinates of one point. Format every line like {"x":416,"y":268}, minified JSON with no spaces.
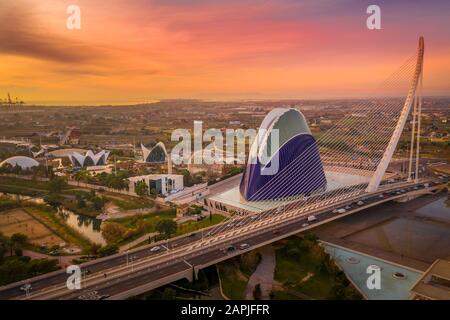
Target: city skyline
{"x":143,"y":51}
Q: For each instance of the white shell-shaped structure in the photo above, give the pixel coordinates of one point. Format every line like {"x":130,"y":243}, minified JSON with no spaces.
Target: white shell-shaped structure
{"x":156,"y":154}
{"x":89,"y":159}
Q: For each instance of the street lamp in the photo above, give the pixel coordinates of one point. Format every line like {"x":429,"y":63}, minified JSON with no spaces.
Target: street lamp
{"x":132,"y":260}
{"x":26,"y":287}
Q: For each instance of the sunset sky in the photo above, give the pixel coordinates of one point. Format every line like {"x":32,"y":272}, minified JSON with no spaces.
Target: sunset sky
{"x":142,"y":50}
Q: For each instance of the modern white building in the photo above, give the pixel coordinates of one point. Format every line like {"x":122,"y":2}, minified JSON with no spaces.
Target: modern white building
{"x":24,"y":163}
{"x":156,"y":154}
{"x":89,"y":158}
{"x":163,"y":184}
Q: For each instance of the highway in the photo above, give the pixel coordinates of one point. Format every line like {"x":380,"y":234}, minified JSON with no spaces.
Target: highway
{"x":147,"y":266}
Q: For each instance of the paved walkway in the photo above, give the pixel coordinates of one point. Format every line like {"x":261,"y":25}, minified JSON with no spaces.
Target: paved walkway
{"x":131,"y":244}
{"x":263,"y":274}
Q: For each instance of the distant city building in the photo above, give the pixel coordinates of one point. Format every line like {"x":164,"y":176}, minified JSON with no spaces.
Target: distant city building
{"x":24,"y":163}
{"x":156,"y":154}
{"x":300,"y":170}
{"x":62,"y":153}
{"x":89,"y":158}
{"x":210,"y":169}
{"x":160,"y":184}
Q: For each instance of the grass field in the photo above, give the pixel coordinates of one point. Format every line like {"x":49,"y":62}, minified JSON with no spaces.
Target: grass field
{"x":233,"y":280}
{"x":46,"y":215}
{"x":304,"y":270}
{"x":19,"y":221}
{"x":139,"y":225}
{"x":235,"y":273}
{"x":191,"y":226}
{"x":131,"y":203}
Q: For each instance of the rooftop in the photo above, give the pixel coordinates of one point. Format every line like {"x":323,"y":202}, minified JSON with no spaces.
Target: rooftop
{"x":435,"y":282}
{"x":335,"y":179}
{"x":154,"y":176}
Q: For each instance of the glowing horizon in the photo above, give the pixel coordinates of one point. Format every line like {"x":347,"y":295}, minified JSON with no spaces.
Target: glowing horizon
{"x":145,"y":50}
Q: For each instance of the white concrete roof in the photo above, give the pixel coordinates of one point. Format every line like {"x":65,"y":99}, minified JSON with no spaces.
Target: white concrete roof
{"x":21,"y":161}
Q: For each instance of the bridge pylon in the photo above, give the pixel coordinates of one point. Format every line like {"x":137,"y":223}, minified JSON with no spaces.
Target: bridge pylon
{"x":392,"y":145}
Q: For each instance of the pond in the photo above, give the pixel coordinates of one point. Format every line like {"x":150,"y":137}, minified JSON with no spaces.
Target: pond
{"x":395,"y":280}
{"x":87,"y":226}
{"x":438,"y":209}
{"x":19,"y":197}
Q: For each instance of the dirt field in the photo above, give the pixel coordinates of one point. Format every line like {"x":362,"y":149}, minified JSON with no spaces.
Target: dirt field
{"x":18,"y":221}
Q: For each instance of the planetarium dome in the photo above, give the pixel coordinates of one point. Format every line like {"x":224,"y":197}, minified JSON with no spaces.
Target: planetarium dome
{"x":21,"y":161}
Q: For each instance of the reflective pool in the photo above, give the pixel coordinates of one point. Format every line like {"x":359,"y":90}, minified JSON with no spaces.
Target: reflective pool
{"x":87,"y":226}
{"x":395,"y":280}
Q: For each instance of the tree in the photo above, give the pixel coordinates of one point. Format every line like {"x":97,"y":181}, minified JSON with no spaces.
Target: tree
{"x":257,"y":292}
{"x":81,"y":203}
{"x":56,"y":184}
{"x":98,"y":203}
{"x":169,"y":294}
{"x":141,"y":188}
{"x":113,"y":232}
{"x":108,"y":250}
{"x":167,"y":227}
{"x":95,"y":248}
{"x":19,"y":239}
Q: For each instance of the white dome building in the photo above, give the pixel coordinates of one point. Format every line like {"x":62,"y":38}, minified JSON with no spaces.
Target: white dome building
{"x":24,"y":163}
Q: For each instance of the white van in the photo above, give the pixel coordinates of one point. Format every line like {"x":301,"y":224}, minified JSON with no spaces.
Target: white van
{"x":312,"y":218}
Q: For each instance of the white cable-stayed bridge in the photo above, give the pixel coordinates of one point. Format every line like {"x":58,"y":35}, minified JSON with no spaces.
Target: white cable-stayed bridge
{"x":360,"y":146}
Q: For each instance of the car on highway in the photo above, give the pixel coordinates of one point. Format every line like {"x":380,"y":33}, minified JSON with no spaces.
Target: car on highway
{"x":155,"y":249}
{"x":244,"y":246}
{"x":312,"y":218}
{"x":304,"y":225}
{"x":360,"y":203}
{"x":230,"y":248}
{"x":280,"y":209}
